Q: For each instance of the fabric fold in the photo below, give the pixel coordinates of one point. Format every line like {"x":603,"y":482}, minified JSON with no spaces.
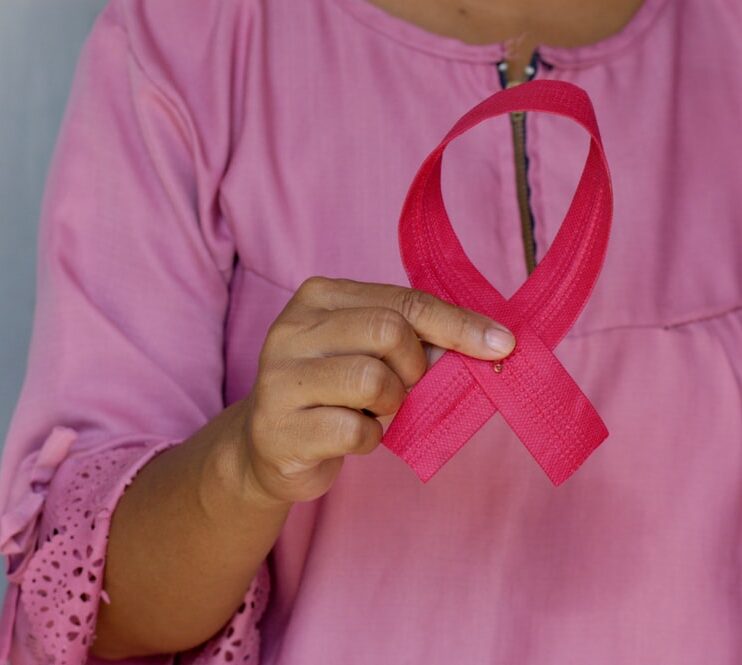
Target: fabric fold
{"x":18,"y":524}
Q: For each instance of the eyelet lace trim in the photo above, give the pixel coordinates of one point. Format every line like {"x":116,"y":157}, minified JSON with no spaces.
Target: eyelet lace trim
{"x":239,"y":641}
{"x":62,"y":585}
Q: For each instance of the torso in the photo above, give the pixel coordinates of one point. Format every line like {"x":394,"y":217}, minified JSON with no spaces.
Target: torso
{"x":636,"y":558}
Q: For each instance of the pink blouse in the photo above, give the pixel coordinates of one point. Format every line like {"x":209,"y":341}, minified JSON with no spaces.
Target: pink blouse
{"x":214,"y":154}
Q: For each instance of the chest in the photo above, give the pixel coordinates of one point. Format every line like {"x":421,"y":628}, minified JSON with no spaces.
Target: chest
{"x":319,"y":192}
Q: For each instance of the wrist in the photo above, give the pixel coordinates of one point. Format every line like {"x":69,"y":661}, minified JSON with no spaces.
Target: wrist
{"x":232,"y":473}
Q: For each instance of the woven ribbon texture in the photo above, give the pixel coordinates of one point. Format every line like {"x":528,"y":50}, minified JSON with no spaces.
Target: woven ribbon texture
{"x":532,"y":390}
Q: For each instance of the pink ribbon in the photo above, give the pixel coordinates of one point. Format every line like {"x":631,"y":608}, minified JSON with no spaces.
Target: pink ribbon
{"x":532,"y":390}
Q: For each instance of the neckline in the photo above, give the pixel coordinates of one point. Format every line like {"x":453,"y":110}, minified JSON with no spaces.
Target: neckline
{"x":415,"y":36}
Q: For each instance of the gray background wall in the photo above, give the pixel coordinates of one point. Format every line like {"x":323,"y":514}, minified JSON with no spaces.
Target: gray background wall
{"x":39,"y":44}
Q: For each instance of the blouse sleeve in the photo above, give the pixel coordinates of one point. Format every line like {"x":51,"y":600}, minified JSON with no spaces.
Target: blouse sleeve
{"x":125,"y":359}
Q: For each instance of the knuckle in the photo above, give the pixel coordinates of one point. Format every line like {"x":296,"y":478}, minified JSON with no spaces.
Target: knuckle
{"x":388,"y":328}
{"x":368,"y":378}
{"x":352,"y":431}
{"x":415,"y":305}
{"x":312,"y":287}
{"x":363,"y":434}
{"x":346,"y":284}
{"x":281,"y":467}
{"x":290,"y":327}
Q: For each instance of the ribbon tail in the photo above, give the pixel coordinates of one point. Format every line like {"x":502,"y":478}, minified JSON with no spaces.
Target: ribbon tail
{"x":543,"y":405}
{"x":535,"y":394}
{"x":430,"y":429}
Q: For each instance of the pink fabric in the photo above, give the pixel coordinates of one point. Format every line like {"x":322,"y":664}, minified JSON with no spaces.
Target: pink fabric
{"x":214,"y":154}
{"x":540,"y":401}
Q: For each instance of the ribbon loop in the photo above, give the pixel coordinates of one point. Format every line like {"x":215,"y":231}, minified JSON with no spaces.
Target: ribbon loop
{"x":535,"y":394}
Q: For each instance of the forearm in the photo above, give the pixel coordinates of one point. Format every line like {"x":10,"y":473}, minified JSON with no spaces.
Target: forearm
{"x":186,"y":539}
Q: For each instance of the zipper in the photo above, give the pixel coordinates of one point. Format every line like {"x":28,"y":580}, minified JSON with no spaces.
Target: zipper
{"x":523,"y":192}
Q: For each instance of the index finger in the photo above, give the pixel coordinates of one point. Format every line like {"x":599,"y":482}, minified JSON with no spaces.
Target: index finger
{"x":434,"y":320}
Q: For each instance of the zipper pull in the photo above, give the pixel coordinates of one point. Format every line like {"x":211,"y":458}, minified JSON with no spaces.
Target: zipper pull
{"x":529,"y":71}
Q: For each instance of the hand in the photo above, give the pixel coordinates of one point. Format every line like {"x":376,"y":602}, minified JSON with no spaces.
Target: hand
{"x":340,"y":359}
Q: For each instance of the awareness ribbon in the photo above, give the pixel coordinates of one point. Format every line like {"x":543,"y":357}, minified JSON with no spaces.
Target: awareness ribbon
{"x":532,"y":390}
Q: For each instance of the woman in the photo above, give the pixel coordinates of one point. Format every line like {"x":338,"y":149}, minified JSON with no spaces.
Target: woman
{"x":189,"y":476}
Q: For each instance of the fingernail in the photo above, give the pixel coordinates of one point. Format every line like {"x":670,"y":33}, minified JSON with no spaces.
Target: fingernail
{"x":500,"y":340}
